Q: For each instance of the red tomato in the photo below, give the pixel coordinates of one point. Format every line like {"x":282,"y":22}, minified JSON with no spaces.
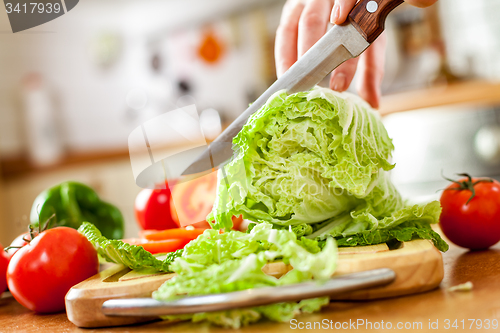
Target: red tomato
{"x":17,"y":243}
{"x":192,"y":200}
{"x":471,"y":220}
{"x":4,"y":261}
{"x":175,"y":217}
{"x":41,"y":273}
{"x":152,"y":209}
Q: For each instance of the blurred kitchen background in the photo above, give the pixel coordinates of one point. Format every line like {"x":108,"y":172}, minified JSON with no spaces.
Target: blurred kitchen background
{"x":73,"y":89}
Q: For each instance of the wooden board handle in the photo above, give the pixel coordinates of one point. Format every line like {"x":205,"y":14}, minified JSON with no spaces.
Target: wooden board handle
{"x":368,"y":16}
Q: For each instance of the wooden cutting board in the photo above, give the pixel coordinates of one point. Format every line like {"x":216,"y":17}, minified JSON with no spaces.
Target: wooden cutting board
{"x":418,"y":266}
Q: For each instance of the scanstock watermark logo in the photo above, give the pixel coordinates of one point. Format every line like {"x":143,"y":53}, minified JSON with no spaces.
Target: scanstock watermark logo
{"x":28,"y":14}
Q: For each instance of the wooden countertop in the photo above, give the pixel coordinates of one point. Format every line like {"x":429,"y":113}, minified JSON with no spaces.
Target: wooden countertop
{"x":483,"y":302}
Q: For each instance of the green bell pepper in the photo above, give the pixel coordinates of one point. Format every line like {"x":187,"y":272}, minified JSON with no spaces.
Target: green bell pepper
{"x":72,"y":203}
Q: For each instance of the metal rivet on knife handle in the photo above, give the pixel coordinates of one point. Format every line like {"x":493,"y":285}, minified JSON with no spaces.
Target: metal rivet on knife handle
{"x":369,"y":17}
{"x":372,"y":6}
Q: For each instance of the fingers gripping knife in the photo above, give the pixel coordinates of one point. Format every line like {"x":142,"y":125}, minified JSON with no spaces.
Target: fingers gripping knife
{"x":341,"y":43}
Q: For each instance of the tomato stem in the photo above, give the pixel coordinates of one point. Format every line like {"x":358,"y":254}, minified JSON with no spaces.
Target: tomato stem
{"x":467,"y":184}
{"x":32,"y":233}
{"x":46,"y":224}
{"x":41,"y":228}
{"x":6,"y":249}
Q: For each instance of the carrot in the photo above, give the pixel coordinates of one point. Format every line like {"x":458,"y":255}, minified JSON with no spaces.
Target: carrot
{"x":161,"y":246}
{"x":164,"y":246}
{"x":143,"y":233}
{"x":178,"y":233}
{"x":134,"y":241}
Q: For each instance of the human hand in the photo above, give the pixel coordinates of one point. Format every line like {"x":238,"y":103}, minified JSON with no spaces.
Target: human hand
{"x":304,"y":22}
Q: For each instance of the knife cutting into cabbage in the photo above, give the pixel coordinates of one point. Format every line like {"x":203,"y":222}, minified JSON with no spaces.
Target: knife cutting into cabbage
{"x":342,"y":42}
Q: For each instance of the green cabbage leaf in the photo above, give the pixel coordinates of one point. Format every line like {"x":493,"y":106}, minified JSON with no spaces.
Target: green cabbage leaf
{"x":320,"y":159}
{"x":402,"y":233}
{"x":220,"y":263}
{"x":131,"y":256}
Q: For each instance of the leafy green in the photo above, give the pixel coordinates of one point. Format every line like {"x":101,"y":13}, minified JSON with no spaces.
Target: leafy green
{"x":242,"y":317}
{"x":424,"y":214}
{"x":318,"y":159}
{"x":413,"y":223}
{"x":132,"y":256}
{"x":237,"y":318}
{"x":231,"y":261}
{"x":305,"y":158}
{"x":403,"y":233}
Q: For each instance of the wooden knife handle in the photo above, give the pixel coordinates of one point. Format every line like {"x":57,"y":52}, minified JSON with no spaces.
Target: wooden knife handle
{"x":368,"y":16}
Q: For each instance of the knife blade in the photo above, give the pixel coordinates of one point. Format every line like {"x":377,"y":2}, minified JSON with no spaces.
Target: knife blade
{"x":139,"y":307}
{"x":340,"y":43}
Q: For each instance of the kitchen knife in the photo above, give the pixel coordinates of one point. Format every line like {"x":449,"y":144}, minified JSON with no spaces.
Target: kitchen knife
{"x":139,"y":307}
{"x":342,"y":42}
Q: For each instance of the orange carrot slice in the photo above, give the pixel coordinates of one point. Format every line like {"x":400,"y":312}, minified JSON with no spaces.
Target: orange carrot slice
{"x":161,"y":246}
{"x":178,"y":233}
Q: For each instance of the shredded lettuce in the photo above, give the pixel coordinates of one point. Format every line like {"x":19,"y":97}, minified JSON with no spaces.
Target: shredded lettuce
{"x":318,"y":159}
{"x":415,"y":225}
{"x":131,"y":256}
{"x":237,"y":318}
{"x":424,"y":214}
{"x":232,"y":261}
{"x":403,"y":233}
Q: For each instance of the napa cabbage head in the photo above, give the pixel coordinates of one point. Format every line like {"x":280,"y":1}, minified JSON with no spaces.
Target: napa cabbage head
{"x":318,"y":157}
